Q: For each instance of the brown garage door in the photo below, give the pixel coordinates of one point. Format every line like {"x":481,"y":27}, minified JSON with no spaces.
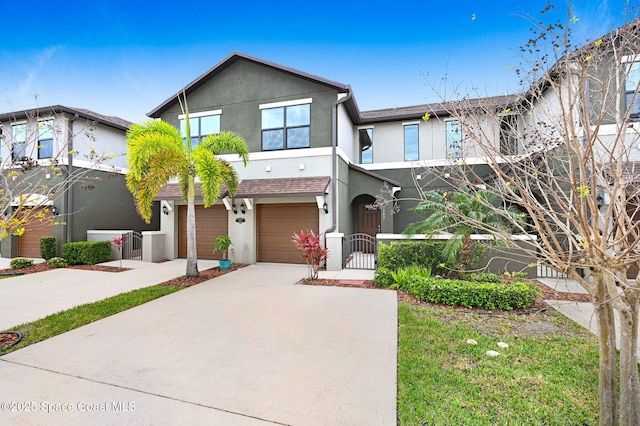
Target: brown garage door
{"x":40,"y":225}
{"x":276,"y":225}
{"x":210,"y":223}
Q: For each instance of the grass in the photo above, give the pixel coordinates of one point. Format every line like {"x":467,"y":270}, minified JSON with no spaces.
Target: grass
{"x":538,"y":380}
{"x":70,"y":319}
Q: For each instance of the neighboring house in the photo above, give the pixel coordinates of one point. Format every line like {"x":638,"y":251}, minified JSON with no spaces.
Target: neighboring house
{"x":316,"y":161}
{"x":41,"y":148}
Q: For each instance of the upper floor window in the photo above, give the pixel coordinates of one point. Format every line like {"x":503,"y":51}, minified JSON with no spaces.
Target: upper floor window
{"x":632,"y":97}
{"x":201,"y":124}
{"x":366,"y":145}
{"x":286,"y":125}
{"x":18,"y":141}
{"x":509,"y":134}
{"x":45,"y":139}
{"x":411,"y":142}
{"x":454,"y":138}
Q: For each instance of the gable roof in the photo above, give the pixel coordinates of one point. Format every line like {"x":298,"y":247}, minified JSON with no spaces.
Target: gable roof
{"x":111,"y":121}
{"x":233,"y":58}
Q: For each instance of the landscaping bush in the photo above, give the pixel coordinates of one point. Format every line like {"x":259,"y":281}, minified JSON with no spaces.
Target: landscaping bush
{"x":403,"y":277}
{"x":382,"y":277}
{"x":507,"y":296}
{"x":57,"y":262}
{"x":87,"y":252}
{"x":20,"y":262}
{"x":403,"y":254}
{"x":48,"y":248}
{"x":484,"y":277}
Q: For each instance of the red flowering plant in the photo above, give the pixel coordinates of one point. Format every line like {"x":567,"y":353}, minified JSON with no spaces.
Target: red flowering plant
{"x":312,"y":251}
{"x":118,"y":243}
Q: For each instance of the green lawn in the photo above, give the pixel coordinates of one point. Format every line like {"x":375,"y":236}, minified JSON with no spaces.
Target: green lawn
{"x":547,"y":379}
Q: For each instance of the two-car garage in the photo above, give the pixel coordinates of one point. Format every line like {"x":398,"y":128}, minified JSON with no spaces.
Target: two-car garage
{"x":275,"y":225}
{"x":260,"y":219}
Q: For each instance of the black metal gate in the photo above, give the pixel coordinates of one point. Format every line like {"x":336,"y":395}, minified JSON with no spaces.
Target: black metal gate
{"x":132,"y":248}
{"x":359,"y":252}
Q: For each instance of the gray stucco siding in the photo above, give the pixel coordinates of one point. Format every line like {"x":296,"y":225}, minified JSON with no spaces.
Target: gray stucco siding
{"x":244,"y":86}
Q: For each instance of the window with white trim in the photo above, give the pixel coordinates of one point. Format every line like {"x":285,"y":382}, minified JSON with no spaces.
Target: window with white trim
{"x":454,"y":138}
{"x":509,"y":134}
{"x":632,"y":97}
{"x":18,"y":141}
{"x":201,"y":124}
{"x":366,"y":145}
{"x":286,"y":126}
{"x":45,"y":139}
{"x":411,"y":142}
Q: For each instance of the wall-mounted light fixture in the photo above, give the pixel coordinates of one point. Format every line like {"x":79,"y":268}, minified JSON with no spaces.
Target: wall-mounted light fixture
{"x":243,"y":208}
{"x":165,"y":210}
{"x":325,"y":207}
{"x":234,"y":208}
{"x":54,"y":210}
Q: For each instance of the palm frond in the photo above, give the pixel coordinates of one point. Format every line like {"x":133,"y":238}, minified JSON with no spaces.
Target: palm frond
{"x":226,"y":142}
{"x":155,"y":155}
{"x":207,"y":167}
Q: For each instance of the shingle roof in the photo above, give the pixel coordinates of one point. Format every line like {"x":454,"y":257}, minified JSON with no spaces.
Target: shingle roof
{"x":264,"y":188}
{"x":111,"y":121}
{"x":436,"y":109}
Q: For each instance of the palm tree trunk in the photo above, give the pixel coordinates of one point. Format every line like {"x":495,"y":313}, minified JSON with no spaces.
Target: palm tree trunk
{"x":192,"y":254}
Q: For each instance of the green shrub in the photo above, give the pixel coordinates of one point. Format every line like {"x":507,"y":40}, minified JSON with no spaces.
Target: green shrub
{"x":87,"y":252}
{"x":403,"y":254}
{"x":405,"y":277}
{"x":507,"y":296}
{"x":20,"y":262}
{"x":48,"y":248}
{"x":382,"y":277}
{"x":484,"y":277}
{"x":57,"y":262}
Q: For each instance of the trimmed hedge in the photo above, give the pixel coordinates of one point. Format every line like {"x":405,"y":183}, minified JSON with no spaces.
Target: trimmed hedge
{"x":87,"y":252}
{"x":20,"y":262}
{"x":405,"y":254}
{"x":48,"y":247}
{"x":471,"y":294}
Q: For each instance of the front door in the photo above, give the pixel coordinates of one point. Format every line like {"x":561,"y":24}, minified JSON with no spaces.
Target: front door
{"x":368,"y":223}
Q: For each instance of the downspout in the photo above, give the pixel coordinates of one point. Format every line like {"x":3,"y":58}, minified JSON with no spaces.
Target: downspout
{"x":69,"y":184}
{"x":334,"y":158}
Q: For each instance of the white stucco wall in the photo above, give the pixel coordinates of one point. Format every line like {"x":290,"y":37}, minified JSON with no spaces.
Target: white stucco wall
{"x":105,"y":140}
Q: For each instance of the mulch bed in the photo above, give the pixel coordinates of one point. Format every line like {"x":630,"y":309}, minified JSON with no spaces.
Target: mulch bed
{"x":41,"y":267}
{"x":207,"y":274}
{"x":9,"y":339}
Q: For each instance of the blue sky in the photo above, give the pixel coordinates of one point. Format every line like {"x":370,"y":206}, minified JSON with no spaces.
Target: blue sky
{"x":124,"y":58}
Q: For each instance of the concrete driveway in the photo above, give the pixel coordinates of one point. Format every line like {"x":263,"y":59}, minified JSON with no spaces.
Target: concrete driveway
{"x":247,"y":348}
{"x":30,"y":297}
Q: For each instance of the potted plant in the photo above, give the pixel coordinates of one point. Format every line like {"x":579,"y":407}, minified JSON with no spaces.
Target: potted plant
{"x":222,"y":245}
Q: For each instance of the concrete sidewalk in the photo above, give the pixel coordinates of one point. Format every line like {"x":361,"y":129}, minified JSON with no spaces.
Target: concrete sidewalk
{"x":30,"y":297}
{"x":246,"y":348}
{"x":579,"y":312}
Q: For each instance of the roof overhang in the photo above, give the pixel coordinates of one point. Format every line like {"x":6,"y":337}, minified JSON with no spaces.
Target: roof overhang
{"x":260,"y":188}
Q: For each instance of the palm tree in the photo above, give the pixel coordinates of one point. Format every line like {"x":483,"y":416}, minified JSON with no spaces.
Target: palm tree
{"x":158,"y":153}
{"x":462,"y":214}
